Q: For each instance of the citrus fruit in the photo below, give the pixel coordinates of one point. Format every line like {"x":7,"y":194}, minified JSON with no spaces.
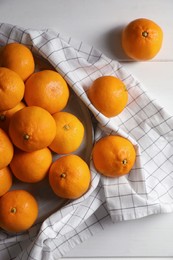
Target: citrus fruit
{"x":113,"y":156}
{"x":6,"y":115}
{"x":11,"y":89}
{"x":1,"y":48}
{"x":31,"y":167}
{"x":6,"y":149}
{"x":109,"y":95}
{"x":69,"y":177}
{"x":47,"y":89}
{"x":32,"y":128}
{"x":69,"y":133}
{"x":18,"y":58}
{"x":142,"y":39}
{"x":18,"y":211}
{"x":5,"y":180}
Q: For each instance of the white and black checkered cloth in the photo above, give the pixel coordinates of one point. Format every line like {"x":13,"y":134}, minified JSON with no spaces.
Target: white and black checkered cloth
{"x":146,"y":190}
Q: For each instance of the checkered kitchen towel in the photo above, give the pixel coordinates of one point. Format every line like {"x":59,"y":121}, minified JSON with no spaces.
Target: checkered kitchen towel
{"x":147,"y":189}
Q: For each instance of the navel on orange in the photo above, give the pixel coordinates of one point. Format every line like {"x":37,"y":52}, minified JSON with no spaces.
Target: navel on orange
{"x":32,"y":128}
{"x":6,"y":149}
{"x":18,"y":58}
{"x":11,"y":89}
{"x":47,"y":89}
{"x":31,"y":167}
{"x":69,"y":133}
{"x":142,"y":39}
{"x":18,"y":211}
{"x":109,"y":95}
{"x":69,"y":177}
{"x":113,"y":156}
{"x":5,"y":180}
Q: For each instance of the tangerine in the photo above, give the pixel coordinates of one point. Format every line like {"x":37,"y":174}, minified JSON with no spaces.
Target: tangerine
{"x":18,"y":58}
{"x":11,"y":89}
{"x":109,"y":95}
{"x":6,"y":149}
{"x":69,"y":177}
{"x":5,"y":116}
{"x":32,"y":128}
{"x":18,"y":211}
{"x":47,"y":89}
{"x":69,"y":133}
{"x":113,"y":156}
{"x":1,"y":48}
{"x":142,"y":39}
{"x":31,"y":167}
{"x":5,"y":180}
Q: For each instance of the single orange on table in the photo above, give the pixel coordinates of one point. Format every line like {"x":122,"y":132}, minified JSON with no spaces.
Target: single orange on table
{"x":31,"y":167}
{"x":6,"y":180}
{"x":18,"y":211}
{"x":47,"y":89}
{"x":11,"y":89}
{"x":32,"y":128}
{"x":69,"y":133}
{"x":69,"y":177}
{"x":113,"y":156}
{"x":6,"y":149}
{"x":142,"y":39}
{"x":5,"y":116}
{"x":18,"y":58}
{"x":109,"y":95}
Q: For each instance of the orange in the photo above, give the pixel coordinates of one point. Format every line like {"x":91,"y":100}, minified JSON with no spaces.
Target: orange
{"x":32,"y":128}
{"x":5,"y":180}
{"x":18,"y":58}
{"x":6,"y":149}
{"x":109,"y":95}
{"x":1,"y":48}
{"x":5,"y":116}
{"x":18,"y":211}
{"x":11,"y":89}
{"x":69,"y":177}
{"x":31,"y":167}
{"x":47,"y":89}
{"x":142,"y":39}
{"x":69,"y":133}
{"x":113,"y":156}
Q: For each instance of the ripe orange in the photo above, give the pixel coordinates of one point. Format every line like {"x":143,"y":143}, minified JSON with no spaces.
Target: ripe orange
{"x":5,"y":180}
{"x":5,"y":116}
{"x":31,"y":167}
{"x":1,"y":48}
{"x":69,"y":134}
{"x":47,"y":89}
{"x":18,"y":211}
{"x":109,"y":95}
{"x":32,"y":128}
{"x":18,"y":58}
{"x":6,"y":149}
{"x":142,"y":39}
{"x":11,"y":89}
{"x":113,"y":156}
{"x":69,"y":177}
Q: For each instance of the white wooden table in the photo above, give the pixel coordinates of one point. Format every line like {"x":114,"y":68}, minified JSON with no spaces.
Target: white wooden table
{"x":96,"y":22}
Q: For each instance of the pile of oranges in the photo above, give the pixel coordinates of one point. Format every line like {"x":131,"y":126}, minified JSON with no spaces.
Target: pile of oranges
{"x":33,"y":126}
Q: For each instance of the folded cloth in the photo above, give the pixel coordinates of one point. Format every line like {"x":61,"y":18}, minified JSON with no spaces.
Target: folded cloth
{"x":146,"y":190}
